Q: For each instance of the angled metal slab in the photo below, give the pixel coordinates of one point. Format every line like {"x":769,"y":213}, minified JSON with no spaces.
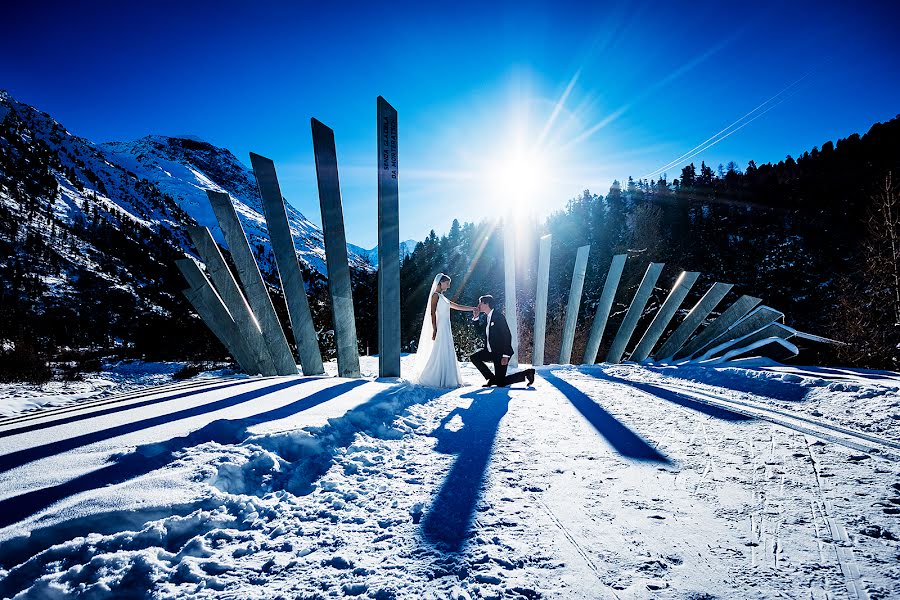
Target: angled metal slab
{"x":756,"y":319}
{"x":772,"y":330}
{"x":774,"y":348}
{"x":339,"y":286}
{"x":692,"y":321}
{"x":254,"y":286}
{"x":601,"y":316}
{"x":292,"y":282}
{"x":388,"y":242}
{"x":509,"y":290}
{"x":540,"y":301}
{"x":718,"y":326}
{"x":203,"y":297}
{"x":635,"y":310}
{"x":676,"y":296}
{"x":231,"y":295}
{"x":578,"y":273}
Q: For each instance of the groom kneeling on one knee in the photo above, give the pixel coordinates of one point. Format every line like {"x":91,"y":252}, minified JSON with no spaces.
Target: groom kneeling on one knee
{"x":498,"y":348}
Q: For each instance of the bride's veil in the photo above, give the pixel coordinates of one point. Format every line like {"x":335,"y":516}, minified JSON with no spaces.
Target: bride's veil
{"x":423,"y":350}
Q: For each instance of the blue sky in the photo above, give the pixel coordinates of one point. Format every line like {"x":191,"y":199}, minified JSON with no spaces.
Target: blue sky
{"x":641,"y":84}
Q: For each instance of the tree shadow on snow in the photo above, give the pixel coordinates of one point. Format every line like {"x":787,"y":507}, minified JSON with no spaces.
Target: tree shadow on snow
{"x":150,"y":457}
{"x":449,"y":518}
{"x":620,"y":437}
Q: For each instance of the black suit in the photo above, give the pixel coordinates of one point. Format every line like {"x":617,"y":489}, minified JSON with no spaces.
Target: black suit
{"x":500,"y":341}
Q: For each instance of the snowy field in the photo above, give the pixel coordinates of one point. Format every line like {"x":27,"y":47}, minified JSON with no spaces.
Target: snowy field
{"x":604,"y":482}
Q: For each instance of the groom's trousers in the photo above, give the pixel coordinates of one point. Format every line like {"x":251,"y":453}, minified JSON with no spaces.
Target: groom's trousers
{"x":499,"y":376}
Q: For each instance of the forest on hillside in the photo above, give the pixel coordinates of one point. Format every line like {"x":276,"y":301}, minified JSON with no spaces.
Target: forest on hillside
{"x":816,"y":237}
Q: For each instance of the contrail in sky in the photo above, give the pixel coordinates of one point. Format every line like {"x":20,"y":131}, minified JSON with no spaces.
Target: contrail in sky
{"x":731,"y":129}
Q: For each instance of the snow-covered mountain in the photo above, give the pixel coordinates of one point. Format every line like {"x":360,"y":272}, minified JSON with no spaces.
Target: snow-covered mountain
{"x":146,"y":181}
{"x":184,"y":168}
{"x":406,"y":249}
{"x":89,"y":234}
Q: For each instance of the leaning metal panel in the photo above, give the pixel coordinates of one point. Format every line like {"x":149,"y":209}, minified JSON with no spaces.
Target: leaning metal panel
{"x":388,"y":242}
{"x":635,"y":310}
{"x":758,"y":318}
{"x":248,"y":272}
{"x":292,"y":283}
{"x":692,"y":321}
{"x":772,"y":330}
{"x":509,"y":283}
{"x":339,"y":286}
{"x":540,"y":301}
{"x":676,"y":296}
{"x":718,"y":326}
{"x":578,"y":273}
{"x":215,"y":315}
{"x":231,"y":295}
{"x":775,"y":348}
{"x":613,"y":276}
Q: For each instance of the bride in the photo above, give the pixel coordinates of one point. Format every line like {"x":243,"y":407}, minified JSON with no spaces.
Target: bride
{"x":436,"y":364}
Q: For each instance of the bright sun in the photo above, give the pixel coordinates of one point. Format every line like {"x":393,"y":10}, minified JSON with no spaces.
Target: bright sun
{"x":518,"y":179}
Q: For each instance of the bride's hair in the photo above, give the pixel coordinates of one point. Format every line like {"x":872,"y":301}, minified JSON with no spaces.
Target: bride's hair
{"x":443,"y":278}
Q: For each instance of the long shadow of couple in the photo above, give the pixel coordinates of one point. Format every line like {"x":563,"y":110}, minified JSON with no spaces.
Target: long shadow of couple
{"x":447,"y":522}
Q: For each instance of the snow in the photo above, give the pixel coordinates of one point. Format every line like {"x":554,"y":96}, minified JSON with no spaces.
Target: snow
{"x":612,"y":481}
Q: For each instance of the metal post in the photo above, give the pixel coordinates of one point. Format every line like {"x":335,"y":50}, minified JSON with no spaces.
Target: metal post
{"x":692,"y":321}
{"x":339,"y":286}
{"x":248,"y":272}
{"x":676,"y":296}
{"x":388,"y":242}
{"x":231,"y":295}
{"x":540,"y":301}
{"x":613,"y":276}
{"x":635,"y":310}
{"x":759,"y":317}
{"x":729,"y":317}
{"x":292,"y":283}
{"x":509,"y":271}
{"x":578,"y":273}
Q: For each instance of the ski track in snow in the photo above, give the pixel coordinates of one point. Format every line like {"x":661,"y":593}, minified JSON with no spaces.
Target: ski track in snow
{"x":589,"y":485}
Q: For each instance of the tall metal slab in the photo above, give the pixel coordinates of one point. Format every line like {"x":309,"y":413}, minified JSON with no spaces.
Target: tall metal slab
{"x":336,"y":250}
{"x":388,"y":242}
{"x":635,"y":310}
{"x":756,"y":319}
{"x":676,"y":296}
{"x":292,"y":283}
{"x":578,"y":273}
{"x":215,"y":315}
{"x":540,"y":301}
{"x":509,"y":279}
{"x":248,"y":272}
{"x":231,"y":295}
{"x":613,"y":276}
{"x":729,"y":317}
{"x":694,"y":318}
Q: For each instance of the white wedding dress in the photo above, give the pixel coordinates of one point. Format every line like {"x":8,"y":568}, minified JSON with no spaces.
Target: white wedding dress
{"x":436,"y":364}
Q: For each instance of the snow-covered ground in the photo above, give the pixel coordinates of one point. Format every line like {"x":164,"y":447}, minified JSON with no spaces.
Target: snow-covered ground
{"x":610,"y":481}
{"x":115,"y":378}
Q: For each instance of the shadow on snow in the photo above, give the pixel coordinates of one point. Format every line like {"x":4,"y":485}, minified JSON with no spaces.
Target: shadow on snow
{"x":156,"y":455}
{"x":447,"y":522}
{"x":622,"y":439}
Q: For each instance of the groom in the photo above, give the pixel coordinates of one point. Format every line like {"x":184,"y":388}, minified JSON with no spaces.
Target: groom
{"x":498,"y":348}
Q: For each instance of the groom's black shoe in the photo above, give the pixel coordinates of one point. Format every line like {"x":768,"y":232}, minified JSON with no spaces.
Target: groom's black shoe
{"x":488,"y":383}
{"x":529,"y":375}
